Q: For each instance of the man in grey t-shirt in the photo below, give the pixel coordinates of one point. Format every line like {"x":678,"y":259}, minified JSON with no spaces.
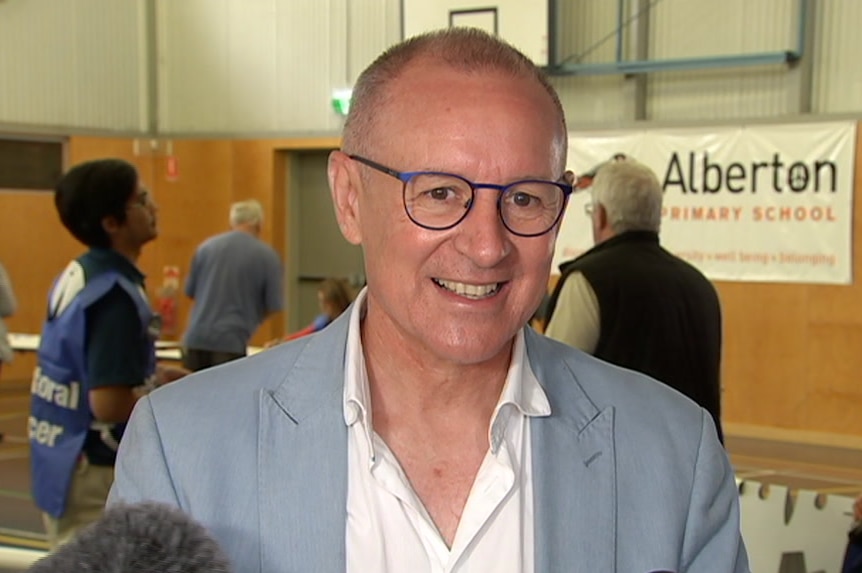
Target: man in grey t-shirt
{"x":236,"y":282}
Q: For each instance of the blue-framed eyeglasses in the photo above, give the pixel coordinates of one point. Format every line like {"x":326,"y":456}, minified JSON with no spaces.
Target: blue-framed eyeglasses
{"x":439,"y":201}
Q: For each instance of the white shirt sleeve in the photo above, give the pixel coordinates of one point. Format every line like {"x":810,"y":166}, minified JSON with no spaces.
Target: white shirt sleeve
{"x":576,"y":317}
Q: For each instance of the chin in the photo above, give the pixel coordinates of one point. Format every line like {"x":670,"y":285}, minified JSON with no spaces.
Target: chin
{"x":475,"y":349}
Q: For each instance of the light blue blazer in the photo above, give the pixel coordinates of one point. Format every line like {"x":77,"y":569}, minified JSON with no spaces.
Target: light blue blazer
{"x":628,"y":474}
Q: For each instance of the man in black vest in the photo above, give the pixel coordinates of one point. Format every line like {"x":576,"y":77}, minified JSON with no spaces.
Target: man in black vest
{"x":632,"y":303}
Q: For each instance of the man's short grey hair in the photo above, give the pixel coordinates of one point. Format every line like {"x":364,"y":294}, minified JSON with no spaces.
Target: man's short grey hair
{"x":246,"y":212}
{"x":631,"y":194}
{"x":465,"y":49}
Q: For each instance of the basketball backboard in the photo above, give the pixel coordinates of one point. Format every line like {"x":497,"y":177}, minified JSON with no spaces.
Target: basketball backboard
{"x":523,"y":23}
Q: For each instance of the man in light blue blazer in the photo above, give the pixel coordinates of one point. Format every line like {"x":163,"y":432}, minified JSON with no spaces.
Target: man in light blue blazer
{"x":428,"y":429}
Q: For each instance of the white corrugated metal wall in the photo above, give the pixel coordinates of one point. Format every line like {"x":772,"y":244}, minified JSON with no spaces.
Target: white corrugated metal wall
{"x":703,"y":28}
{"x":269,"y":66}
{"x":838,"y":57}
{"x":253,"y":66}
{"x":587,"y":35}
{"x":193,"y":63}
{"x":74,"y":64}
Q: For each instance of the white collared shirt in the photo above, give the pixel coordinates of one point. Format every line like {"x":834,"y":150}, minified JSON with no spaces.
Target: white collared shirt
{"x":388,"y":528}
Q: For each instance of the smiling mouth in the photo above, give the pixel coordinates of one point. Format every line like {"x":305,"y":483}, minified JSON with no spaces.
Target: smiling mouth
{"x":475,"y":292}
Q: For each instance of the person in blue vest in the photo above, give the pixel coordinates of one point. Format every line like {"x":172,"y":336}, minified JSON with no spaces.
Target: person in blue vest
{"x":97,"y":351}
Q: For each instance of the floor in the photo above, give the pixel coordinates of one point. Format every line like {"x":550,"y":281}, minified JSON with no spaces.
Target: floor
{"x":20,"y":523}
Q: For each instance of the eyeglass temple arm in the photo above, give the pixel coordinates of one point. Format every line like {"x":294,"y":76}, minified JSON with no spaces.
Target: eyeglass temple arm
{"x":375,"y":165}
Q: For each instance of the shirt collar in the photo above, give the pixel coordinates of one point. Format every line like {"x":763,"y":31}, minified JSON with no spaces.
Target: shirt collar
{"x":102,"y":259}
{"x":521,"y":393}
{"x":357,"y":398}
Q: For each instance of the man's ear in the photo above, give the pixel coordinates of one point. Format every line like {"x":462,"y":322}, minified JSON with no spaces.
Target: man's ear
{"x":110,"y":225}
{"x":602,"y":215}
{"x":345,"y":185}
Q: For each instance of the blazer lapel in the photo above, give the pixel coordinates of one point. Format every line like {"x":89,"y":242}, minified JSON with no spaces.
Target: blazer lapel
{"x":302,"y":467}
{"x":302,"y":462}
{"x":574,"y":471}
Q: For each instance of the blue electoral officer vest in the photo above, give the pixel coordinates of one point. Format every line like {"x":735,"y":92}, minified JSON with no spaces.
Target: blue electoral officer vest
{"x":60,"y":416}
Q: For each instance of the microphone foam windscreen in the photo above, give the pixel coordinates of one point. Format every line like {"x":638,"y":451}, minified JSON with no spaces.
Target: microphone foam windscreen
{"x":141,"y":538}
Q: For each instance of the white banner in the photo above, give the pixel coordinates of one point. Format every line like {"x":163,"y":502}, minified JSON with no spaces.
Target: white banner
{"x":770,"y":203}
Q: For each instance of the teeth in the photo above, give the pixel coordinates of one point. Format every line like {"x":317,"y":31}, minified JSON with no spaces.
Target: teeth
{"x":470,"y":291}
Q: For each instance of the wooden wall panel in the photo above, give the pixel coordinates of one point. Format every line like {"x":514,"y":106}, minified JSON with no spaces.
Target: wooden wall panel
{"x":193,"y":205}
{"x":135,"y":152}
{"x":764,"y":353}
{"x":829,"y":397}
{"x":34,"y":247}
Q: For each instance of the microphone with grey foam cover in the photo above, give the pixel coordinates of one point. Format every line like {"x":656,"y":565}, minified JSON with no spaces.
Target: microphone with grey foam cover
{"x":145,"y":537}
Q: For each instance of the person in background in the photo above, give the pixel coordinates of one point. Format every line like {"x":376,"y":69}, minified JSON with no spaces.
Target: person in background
{"x":8,"y":306}
{"x":96,"y":357}
{"x":236,"y":282}
{"x":631,"y":302}
{"x":334,"y":295}
{"x":429,"y":428}
{"x":852,"y":562}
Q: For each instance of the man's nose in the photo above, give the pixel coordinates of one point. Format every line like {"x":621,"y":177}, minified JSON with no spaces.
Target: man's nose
{"x":481,"y":236}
